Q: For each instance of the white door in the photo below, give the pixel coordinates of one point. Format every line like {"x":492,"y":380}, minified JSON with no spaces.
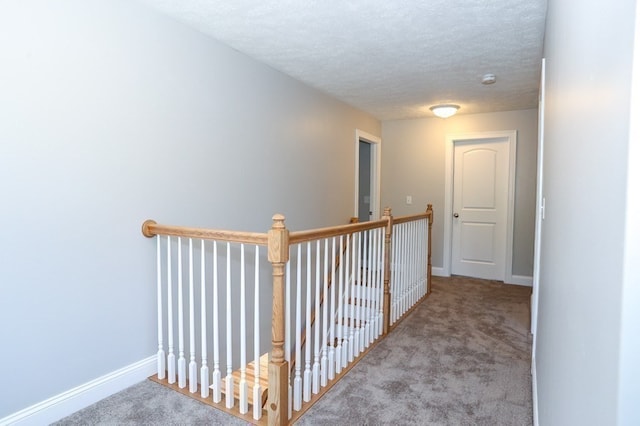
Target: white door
{"x":480,"y":201}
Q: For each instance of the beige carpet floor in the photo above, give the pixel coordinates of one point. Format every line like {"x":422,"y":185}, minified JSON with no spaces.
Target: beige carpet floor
{"x":462,"y":357}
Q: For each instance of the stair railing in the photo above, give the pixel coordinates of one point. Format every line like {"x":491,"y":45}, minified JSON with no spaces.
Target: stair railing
{"x":379,"y":270}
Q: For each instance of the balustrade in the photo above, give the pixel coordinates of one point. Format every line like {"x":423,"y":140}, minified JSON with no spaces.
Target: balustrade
{"x":335,"y":292}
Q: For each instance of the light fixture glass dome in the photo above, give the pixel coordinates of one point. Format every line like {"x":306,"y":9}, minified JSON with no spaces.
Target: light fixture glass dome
{"x":445,"y":110}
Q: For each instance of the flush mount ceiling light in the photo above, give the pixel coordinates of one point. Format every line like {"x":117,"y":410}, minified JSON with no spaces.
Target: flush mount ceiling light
{"x":444,"y":110}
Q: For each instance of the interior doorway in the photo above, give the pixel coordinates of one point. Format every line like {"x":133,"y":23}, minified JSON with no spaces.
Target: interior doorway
{"x":479,"y":203}
{"x":367,"y":176}
{"x":364,"y":182}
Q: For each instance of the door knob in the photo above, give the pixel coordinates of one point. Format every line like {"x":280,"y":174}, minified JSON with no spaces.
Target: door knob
{"x":456,"y":215}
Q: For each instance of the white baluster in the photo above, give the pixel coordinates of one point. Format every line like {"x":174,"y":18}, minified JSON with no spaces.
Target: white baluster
{"x":423,"y":263}
{"x":229,"y":385}
{"x":316,"y":346}
{"x":395,"y":274}
{"x":407,"y":256}
{"x":287,"y":330}
{"x":257,"y":388}
{"x":354,"y":282}
{"x":374,"y":286}
{"x":345,"y":303}
{"x":379,"y":282}
{"x":193,"y":366}
{"x":306,"y":394}
{"x":355,"y":318}
{"x":332,"y":315}
{"x":401,"y":269}
{"x":415,"y":262}
{"x":365,"y":284}
{"x":323,"y":360}
{"x":366,"y":308}
{"x":403,"y":266}
{"x":361,"y":294}
{"x":244,"y":388}
{"x":160,"y":357}
{"x":380,"y":293}
{"x":216,"y":380}
{"x":204,"y":368}
{"x":418,"y":266}
{"x":421,"y":268}
{"x":182,"y":362}
{"x":425,"y":255}
{"x":171,"y":358}
{"x":340,"y":301}
{"x":297,"y":381}
{"x":412,"y":263}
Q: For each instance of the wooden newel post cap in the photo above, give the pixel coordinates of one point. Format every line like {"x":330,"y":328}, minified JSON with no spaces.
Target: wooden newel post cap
{"x":387,"y":211}
{"x":278,"y":221}
{"x":146,"y":225}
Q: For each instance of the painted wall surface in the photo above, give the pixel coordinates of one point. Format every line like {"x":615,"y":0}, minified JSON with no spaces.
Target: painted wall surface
{"x":588,"y":47}
{"x":112,"y":114}
{"x":629,"y":370}
{"x":413,"y":163}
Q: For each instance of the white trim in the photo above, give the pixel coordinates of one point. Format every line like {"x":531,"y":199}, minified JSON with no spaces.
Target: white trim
{"x":450,"y":141}
{"x":534,"y":390}
{"x":540,"y":206}
{"x":376,"y":154}
{"x":68,"y":402}
{"x":438,"y":272}
{"x":520,"y":280}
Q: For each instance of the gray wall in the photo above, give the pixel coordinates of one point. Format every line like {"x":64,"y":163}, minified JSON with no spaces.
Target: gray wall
{"x":112,"y":114}
{"x":580,"y":378}
{"x":413,"y":163}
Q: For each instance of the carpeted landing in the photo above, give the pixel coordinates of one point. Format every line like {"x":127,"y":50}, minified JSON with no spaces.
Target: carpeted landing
{"x":462,"y":357}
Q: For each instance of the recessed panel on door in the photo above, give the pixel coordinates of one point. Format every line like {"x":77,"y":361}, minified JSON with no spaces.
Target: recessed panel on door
{"x":479,"y":193}
{"x":477,"y":242}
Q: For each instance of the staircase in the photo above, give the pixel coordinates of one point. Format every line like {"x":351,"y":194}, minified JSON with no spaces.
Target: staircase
{"x":250,"y":377}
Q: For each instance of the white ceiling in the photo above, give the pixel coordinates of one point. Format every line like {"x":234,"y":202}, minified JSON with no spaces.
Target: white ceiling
{"x":392,"y":59}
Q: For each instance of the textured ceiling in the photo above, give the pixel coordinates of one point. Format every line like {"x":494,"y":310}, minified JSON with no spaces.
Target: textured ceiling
{"x":392,"y":59}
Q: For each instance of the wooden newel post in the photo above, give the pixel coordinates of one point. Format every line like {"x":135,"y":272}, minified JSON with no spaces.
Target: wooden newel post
{"x":278,"y":253}
{"x":430,"y":213}
{"x":386,"y":307}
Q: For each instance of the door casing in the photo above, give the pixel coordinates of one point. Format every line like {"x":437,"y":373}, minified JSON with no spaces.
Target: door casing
{"x":511,"y":138}
{"x":376,"y":145}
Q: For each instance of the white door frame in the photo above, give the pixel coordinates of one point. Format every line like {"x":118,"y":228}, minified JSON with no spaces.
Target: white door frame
{"x":450,"y":141}
{"x":540,"y":207}
{"x":376,"y":148}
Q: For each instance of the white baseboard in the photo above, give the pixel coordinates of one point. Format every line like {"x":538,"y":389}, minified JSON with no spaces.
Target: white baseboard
{"x":519,"y":280}
{"x":534,"y":390}
{"x":438,"y":272}
{"x":68,"y":402}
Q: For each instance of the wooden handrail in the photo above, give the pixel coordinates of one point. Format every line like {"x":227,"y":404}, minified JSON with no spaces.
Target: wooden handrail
{"x":150,"y":229}
{"x":334,"y":231}
{"x":410,"y":218}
